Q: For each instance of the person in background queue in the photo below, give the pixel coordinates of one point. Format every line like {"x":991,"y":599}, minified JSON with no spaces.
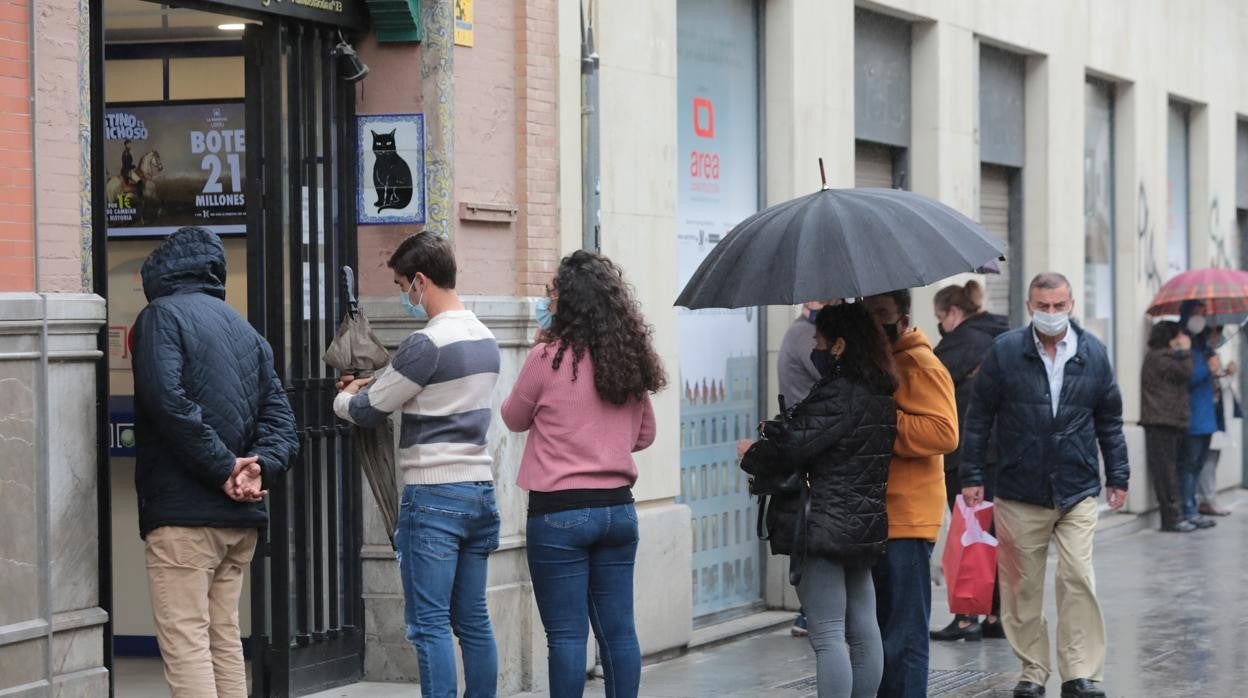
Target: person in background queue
{"x":840,"y":436}
{"x":1164,"y":414}
{"x":216,"y":431}
{"x":1202,"y":421}
{"x":927,"y":429}
{"x":796,"y":375}
{"x":967,"y":332}
{"x":583,"y":396}
{"x":1207,"y":485}
{"x":1049,"y":392}
{"x":441,"y":381}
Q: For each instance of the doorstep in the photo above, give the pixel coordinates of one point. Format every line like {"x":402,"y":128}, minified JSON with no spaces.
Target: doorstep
{"x":738,"y":628}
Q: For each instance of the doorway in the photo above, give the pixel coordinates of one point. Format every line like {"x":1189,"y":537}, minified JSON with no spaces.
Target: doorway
{"x":242,"y":125}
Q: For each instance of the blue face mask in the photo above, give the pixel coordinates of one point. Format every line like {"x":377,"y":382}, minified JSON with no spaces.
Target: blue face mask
{"x":823,"y":361}
{"x":416,"y":310}
{"x":543,"y":315}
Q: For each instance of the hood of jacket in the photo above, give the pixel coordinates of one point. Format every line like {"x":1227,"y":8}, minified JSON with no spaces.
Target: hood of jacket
{"x":989,"y":323}
{"x":910,"y":341}
{"x":191,"y":260}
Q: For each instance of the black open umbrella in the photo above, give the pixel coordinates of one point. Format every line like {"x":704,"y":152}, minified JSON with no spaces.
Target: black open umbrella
{"x":839,"y":243}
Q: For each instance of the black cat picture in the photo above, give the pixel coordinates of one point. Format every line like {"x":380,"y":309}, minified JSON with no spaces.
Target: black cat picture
{"x":392,"y":176}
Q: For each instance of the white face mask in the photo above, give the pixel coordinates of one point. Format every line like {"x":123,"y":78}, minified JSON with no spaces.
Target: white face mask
{"x":1197,"y":324}
{"x":1051,"y":324}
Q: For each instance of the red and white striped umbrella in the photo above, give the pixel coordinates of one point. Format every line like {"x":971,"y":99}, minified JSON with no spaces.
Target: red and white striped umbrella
{"x":1223,"y":291}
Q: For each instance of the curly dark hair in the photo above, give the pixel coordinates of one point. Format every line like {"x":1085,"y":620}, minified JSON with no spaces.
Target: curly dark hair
{"x":597,"y":313}
{"x":868,"y":356}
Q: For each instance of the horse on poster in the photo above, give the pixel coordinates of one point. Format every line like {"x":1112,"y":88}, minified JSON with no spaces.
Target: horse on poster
{"x":141,"y":184}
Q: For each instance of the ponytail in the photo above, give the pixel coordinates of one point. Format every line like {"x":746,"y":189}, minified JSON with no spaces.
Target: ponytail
{"x":968,"y":298}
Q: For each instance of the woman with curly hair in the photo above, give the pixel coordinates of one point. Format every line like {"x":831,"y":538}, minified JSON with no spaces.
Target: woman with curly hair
{"x":584,"y":397}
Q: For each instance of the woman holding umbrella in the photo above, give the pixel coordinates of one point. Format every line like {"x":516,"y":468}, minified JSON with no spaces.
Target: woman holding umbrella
{"x":840,"y":439}
{"x":1203,"y":420}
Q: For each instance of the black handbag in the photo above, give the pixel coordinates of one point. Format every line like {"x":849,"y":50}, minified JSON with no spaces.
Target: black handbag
{"x":771,"y":476}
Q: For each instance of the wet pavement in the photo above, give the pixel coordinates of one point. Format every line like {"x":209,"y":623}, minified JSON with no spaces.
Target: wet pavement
{"x":1176,"y":611}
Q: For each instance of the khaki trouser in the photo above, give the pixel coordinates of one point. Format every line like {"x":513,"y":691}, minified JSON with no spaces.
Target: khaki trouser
{"x":1025,"y":531}
{"x":196,"y":576}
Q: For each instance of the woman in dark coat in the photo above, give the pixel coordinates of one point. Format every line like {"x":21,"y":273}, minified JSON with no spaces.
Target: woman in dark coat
{"x":1164,"y":415}
{"x":840,"y":437}
{"x":967,"y":332}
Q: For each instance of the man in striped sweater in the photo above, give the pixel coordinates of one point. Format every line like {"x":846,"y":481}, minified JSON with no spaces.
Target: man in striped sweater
{"x":440,"y":381}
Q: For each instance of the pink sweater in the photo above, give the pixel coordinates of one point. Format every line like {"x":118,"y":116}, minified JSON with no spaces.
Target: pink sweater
{"x":577,"y":440}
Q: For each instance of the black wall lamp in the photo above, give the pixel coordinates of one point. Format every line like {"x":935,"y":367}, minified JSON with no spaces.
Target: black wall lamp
{"x":351,"y":68}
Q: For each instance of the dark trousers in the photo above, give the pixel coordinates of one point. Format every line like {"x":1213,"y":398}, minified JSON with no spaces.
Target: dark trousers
{"x":903,"y":605}
{"x":1191,"y":462}
{"x":1163,"y":446}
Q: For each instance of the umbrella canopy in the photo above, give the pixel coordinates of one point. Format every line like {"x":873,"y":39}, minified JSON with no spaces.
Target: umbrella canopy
{"x":1223,"y":291}
{"x":839,"y":243}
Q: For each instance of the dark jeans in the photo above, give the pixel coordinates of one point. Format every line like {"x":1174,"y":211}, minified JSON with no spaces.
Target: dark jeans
{"x":1195,"y":450}
{"x":581,"y":563}
{"x":444,"y":538}
{"x":903,"y":605}
{"x":1163,"y":446}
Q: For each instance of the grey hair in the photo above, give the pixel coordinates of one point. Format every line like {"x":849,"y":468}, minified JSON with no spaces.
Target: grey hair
{"x":1049,"y":280}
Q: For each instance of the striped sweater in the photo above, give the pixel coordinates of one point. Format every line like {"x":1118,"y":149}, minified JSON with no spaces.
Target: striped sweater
{"x":442,"y":379}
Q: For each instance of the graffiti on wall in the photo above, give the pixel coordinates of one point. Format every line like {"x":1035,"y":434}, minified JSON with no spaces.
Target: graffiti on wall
{"x":1219,"y":252}
{"x":1148,"y":271}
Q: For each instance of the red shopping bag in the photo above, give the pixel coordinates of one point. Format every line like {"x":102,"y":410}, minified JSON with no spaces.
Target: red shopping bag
{"x":970,"y":559}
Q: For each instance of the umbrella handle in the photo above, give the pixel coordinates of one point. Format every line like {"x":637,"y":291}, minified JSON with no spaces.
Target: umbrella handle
{"x":348,"y":283}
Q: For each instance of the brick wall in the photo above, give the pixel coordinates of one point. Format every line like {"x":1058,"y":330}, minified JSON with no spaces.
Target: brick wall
{"x":537,"y":154}
{"x":59,"y":107}
{"x":17,"y":240}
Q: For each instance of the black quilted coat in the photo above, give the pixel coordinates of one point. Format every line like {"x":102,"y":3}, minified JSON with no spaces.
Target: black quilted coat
{"x":205,"y":392}
{"x":1046,"y":460}
{"x":842,"y":434}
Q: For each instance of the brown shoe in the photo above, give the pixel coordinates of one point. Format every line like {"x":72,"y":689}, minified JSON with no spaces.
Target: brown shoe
{"x":1214,"y":510}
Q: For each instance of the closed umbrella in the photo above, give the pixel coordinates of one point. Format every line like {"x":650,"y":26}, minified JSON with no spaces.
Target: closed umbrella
{"x":839,"y":243}
{"x":355,"y":350}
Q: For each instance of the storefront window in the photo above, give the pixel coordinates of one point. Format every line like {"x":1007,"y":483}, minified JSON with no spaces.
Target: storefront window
{"x":1098,"y":212}
{"x":1178,"y":154}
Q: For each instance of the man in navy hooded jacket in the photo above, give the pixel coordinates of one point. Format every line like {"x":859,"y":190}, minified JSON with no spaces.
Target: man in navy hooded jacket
{"x":214,"y":428}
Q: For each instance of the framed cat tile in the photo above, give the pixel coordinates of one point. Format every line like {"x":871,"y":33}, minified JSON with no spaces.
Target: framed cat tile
{"x":391,"y":156}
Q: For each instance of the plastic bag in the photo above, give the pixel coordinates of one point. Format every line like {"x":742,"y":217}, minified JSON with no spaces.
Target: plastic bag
{"x":970,"y":559}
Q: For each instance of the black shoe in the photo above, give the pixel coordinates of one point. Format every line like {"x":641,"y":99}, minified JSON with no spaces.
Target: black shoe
{"x":1027,"y":689}
{"x":1180,"y":527}
{"x":1082,"y":688}
{"x":956,"y":631}
{"x":993,"y":630}
{"x":1202,"y":522}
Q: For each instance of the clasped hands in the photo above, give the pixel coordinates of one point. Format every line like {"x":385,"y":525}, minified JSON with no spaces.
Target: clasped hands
{"x":351,"y":385}
{"x":245,"y":481}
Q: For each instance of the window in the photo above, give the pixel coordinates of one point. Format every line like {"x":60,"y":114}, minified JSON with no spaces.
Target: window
{"x":1178,"y":165}
{"x":1098,"y":211}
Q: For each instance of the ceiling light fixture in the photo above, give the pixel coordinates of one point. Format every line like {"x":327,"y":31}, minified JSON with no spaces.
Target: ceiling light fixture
{"x":232,"y":27}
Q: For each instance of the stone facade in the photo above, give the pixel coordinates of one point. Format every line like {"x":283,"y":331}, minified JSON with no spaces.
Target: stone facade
{"x":51,"y":623}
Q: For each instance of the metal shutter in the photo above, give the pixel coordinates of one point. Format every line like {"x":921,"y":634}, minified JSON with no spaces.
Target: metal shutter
{"x":873,"y":166}
{"x":994,"y":215}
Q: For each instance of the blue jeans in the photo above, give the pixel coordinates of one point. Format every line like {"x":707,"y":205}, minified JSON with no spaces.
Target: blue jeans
{"x":1191,"y":462}
{"x":581,"y":562}
{"x":444,"y":538}
{"x":903,"y":605}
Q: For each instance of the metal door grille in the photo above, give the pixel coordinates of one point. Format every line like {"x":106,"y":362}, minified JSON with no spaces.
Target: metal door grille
{"x":308,"y":612}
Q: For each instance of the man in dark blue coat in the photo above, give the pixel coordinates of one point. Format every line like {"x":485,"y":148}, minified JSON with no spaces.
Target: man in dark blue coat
{"x":1049,"y":391}
{"x":214,"y":428}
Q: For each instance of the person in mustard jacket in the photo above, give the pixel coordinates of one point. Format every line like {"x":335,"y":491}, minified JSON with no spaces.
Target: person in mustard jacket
{"x":927,"y":429}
